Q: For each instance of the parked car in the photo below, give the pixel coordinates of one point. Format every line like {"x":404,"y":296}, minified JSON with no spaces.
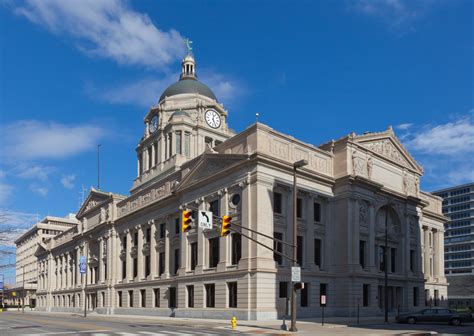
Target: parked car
{"x":435,"y":315}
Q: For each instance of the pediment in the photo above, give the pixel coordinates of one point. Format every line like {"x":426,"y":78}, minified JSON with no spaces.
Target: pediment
{"x":209,"y":165}
{"x":93,"y":200}
{"x":40,"y":249}
{"x":387,"y":145}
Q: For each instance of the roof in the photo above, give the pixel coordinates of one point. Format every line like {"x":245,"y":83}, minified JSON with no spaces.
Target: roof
{"x":180,"y":113}
{"x":188,"y":85}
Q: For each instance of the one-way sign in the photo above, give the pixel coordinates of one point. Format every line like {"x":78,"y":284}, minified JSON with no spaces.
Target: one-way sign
{"x":205,"y":219}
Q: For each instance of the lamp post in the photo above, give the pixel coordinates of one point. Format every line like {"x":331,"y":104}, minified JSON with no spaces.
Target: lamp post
{"x":296,"y":165}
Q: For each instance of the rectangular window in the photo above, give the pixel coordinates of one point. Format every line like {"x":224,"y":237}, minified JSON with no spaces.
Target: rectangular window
{"x":124,"y":269}
{"x":147,"y":265}
{"x":213,"y":252}
{"x":436,"y":297}
{"x":415,"y":296}
{"x":412,"y":260}
{"x":162,"y":230}
{"x":156,"y":295}
{"x":365,"y":295}
{"x":299,"y":250}
{"x":176,"y":226}
{"x":362,"y":245}
{"x":143,"y":297}
{"x":393,"y":260}
{"x":156,"y":153}
{"x":317,"y":252}
{"x":304,"y":295}
{"x":124,"y":242}
{"x":148,"y":235}
{"x":210,"y":295}
{"x":278,"y":246}
{"x":135,"y":267}
{"x":172,"y":297}
{"x":190,"y":290}
{"x":283,"y":290}
{"x":236,"y":247}
{"x":277,"y":203}
{"x":161,"y":265}
{"x":214,"y":207}
{"x":232,"y":287}
{"x":187,"y":144}
{"x":135,"y":239}
{"x":317,"y":212}
{"x":119,"y":294}
{"x":149,"y":156}
{"x":170,"y":145}
{"x":176,"y":261}
{"x":130,"y":298}
{"x":381,"y":258}
{"x":194,"y":253}
{"x":299,"y":208}
{"x":178,"y":142}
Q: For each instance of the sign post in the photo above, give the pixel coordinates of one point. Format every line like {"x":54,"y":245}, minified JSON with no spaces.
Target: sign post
{"x":296,"y":274}
{"x":205,"y":219}
{"x":83,"y":271}
{"x":323,"y":304}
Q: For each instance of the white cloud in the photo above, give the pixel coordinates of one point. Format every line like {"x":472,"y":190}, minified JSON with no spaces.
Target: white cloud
{"x":13,"y":224}
{"x":38,"y":189}
{"x":68,"y":181}
{"x":5,"y":192}
{"x":107,"y":28}
{"x":404,"y":127}
{"x":34,"y":172}
{"x":452,"y":138}
{"x":30,"y":140}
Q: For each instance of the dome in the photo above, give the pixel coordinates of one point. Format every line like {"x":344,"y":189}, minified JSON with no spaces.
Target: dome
{"x":188,"y":85}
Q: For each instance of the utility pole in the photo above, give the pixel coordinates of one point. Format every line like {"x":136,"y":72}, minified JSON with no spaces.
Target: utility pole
{"x":296,"y":165}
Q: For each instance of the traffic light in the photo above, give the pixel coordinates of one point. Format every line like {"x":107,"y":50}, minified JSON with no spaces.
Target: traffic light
{"x":186,"y":221}
{"x":225,"y":227}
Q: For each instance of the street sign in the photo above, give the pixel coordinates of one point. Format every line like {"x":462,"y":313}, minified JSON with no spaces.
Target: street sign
{"x":296,"y":274}
{"x":323,"y":300}
{"x":205,"y":219}
{"x":82,"y":264}
{"x":1,"y":285}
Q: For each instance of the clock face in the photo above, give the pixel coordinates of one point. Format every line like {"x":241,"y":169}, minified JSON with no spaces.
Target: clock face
{"x":154,"y":124}
{"x":213,"y":118}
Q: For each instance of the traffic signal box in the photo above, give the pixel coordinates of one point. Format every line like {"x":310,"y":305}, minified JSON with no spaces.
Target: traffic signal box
{"x":225,"y":227}
{"x":186,"y":221}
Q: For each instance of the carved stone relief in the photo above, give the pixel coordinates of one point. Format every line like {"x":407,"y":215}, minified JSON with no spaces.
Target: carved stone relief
{"x":358,"y":164}
{"x":387,"y":149}
{"x":363,"y":214}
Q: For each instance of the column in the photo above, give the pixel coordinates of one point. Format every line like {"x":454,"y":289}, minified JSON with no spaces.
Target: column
{"x":78,"y":274}
{"x":436,"y":272}
{"x":153,"y":163}
{"x":405,"y":266}
{"x":245,"y":216}
{"x":140,"y":253}
{"x":166,"y":273}
{"x":101,"y":261}
{"x":153,"y":258}
{"x":426,"y":253}
{"x":224,"y":242}
{"x":66,"y":270}
{"x":309,"y":248}
{"x":372,"y":228}
{"x":128,"y":257}
{"x":354,"y":234}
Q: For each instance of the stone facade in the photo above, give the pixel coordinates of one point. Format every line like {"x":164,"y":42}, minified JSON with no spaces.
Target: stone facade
{"x":352,"y":191}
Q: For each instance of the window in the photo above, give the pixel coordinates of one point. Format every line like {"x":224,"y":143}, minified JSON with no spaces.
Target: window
{"x":436,"y":297}
{"x":178,"y":142}
{"x":317,"y":252}
{"x":156,"y":294}
{"x":135,"y":267}
{"x":135,"y":239}
{"x":172,"y":297}
{"x":187,"y":143}
{"x":190,"y":290}
{"x":365,"y":295}
{"x":157,"y":157}
{"x":130,"y":298}
{"x":124,"y":269}
{"x":412,"y":260}
{"x":381,"y":258}
{"x":283,"y":290}
{"x":148,"y":235}
{"x":232,"y":287}
{"x":213,"y":252}
{"x":170,"y":144}
{"x":299,"y":250}
{"x":119,"y":294}
{"x":176,"y":261}
{"x":124,"y":242}
{"x":162,"y":230}
{"x":236,"y":247}
{"x":147,"y":265}
{"x":317,"y":212}
{"x":304,"y":295}
{"x":176,"y":226}
{"x":143,"y":297}
{"x":278,"y":246}
{"x":362,"y":245}
{"x":299,"y":208}
{"x":415,"y":296}
{"x":194,"y":252}
{"x":161,"y":265}
{"x":148,"y":151}
{"x":214,"y":207}
{"x":210,"y":295}
{"x":277,"y":203}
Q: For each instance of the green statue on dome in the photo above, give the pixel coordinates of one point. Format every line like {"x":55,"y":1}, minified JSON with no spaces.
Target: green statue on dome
{"x":189,"y":43}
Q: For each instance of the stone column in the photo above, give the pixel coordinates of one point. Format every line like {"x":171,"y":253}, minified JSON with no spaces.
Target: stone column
{"x":426,"y":252}
{"x":372,"y":231}
{"x":245,"y":217}
{"x":224,"y":242}
{"x":101,"y":260}
{"x":168,"y":224}
{"x":153,"y":259}
{"x":140,"y":253}
{"x":309,"y":234}
{"x":405,"y":266}
{"x":152,"y":159}
{"x":355,"y":235}
{"x":436,"y":268}
{"x":78,"y":274}
{"x":128,"y":257}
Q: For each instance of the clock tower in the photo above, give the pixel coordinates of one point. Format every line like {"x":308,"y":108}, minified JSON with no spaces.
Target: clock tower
{"x":187,"y":120}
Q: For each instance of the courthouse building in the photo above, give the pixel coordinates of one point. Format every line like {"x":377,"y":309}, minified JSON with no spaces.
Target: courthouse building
{"x":352,"y":188}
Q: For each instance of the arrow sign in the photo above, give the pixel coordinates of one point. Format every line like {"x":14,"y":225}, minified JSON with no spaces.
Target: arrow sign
{"x":205,"y":219}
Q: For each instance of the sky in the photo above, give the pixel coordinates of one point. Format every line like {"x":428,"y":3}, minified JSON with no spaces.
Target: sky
{"x":75,"y":74}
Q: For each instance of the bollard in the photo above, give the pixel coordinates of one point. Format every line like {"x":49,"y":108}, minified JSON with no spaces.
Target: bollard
{"x":233,"y":322}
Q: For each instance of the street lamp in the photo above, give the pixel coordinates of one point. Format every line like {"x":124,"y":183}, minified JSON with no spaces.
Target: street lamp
{"x":296,"y":165}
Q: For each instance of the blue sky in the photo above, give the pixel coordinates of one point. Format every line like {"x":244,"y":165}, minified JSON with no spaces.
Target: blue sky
{"x":75,"y":74}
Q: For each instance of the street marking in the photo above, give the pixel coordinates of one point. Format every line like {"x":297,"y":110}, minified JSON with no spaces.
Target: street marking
{"x":65,"y":332}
